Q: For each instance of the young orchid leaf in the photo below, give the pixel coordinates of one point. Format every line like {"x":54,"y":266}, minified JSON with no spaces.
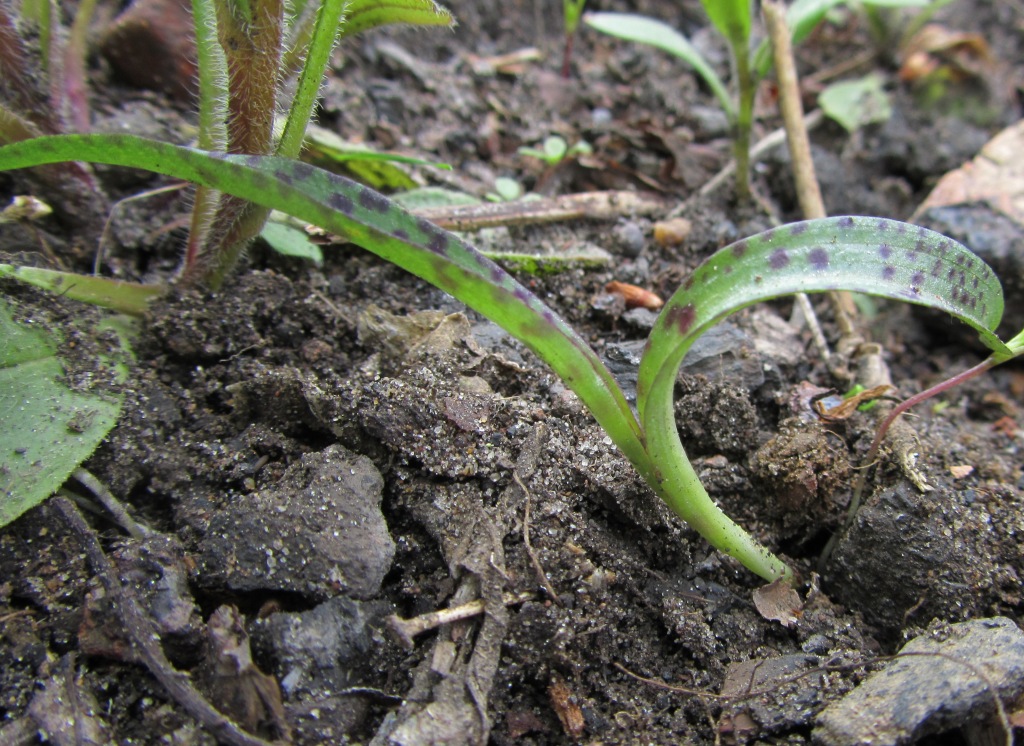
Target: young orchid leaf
{"x":370,"y":220}
{"x":868,"y":255}
{"x":632,"y":27}
{"x":731,"y":18}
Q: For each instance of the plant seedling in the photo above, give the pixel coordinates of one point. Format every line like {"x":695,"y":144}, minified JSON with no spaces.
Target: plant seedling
{"x":571,"y":12}
{"x":869,"y":255}
{"x":733,"y":19}
{"x":555,"y":150}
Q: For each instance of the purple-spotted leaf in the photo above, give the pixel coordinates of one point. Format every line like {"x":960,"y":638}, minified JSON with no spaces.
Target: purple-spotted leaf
{"x":372,"y":221}
{"x":867,"y":255}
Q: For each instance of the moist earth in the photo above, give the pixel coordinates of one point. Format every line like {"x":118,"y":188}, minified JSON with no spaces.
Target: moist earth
{"x":323,"y":449}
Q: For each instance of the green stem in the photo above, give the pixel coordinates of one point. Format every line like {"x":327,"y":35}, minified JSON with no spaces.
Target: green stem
{"x":676,"y":482}
{"x":328,"y":21}
{"x":747,"y":86}
{"x":678,"y":485}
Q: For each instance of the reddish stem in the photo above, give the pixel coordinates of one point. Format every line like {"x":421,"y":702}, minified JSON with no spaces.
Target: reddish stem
{"x":567,"y":55}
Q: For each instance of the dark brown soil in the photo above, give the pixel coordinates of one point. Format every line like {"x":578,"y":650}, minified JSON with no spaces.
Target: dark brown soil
{"x":324,"y":447}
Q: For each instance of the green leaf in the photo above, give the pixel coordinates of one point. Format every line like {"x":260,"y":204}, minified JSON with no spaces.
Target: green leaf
{"x":289,"y":239}
{"x":867,"y":255}
{"x":370,"y":220}
{"x":380,"y":170}
{"x":324,"y":34}
{"x":117,"y":295}
{"x":731,"y":18}
{"x":856,"y":103}
{"x":649,"y":31}
{"x":361,"y":15}
{"x":49,"y":428}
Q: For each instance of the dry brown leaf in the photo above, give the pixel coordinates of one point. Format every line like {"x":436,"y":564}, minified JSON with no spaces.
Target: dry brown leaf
{"x":995,"y":177}
{"x":778,"y":602}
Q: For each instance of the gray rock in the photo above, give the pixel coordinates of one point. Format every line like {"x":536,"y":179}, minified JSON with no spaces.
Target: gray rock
{"x":321,"y":650}
{"x":318,"y":532}
{"x":935,"y":689}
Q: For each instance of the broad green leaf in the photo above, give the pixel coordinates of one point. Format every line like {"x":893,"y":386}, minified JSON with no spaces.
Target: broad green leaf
{"x":49,"y":428}
{"x":361,"y":15}
{"x":731,"y":18}
{"x":117,"y":295}
{"x":632,"y":27}
{"x":856,"y":103}
{"x":866,"y":255}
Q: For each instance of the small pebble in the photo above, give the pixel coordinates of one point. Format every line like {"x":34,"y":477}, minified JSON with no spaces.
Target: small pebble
{"x":629,"y":238}
{"x":669,"y":233}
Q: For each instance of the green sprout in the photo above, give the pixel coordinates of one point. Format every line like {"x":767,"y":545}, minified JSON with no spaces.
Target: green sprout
{"x":571,"y":12}
{"x":555,"y":150}
{"x":869,"y":255}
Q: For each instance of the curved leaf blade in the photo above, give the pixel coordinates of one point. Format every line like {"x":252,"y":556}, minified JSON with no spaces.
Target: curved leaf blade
{"x":868,"y":255}
{"x":638,"y":28}
{"x":372,"y":221}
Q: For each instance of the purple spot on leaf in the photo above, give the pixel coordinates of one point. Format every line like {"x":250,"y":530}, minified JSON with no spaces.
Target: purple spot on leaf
{"x":739,"y":249}
{"x":888,"y":272}
{"x":340,"y":202}
{"x":779,"y":259}
{"x":682,"y":318}
{"x":917,"y":281}
{"x":818,"y":258}
{"x":374,"y":201}
{"x":689,"y":283}
{"x":885,"y":251}
{"x":974,"y":283}
{"x":797,"y":228}
{"x":882,"y":225}
{"x":845,"y":222}
{"x":401,"y":234}
{"x":285,"y":177}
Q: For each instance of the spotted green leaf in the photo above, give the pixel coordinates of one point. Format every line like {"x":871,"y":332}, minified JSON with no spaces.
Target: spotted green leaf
{"x":372,"y":221}
{"x":867,"y":255}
